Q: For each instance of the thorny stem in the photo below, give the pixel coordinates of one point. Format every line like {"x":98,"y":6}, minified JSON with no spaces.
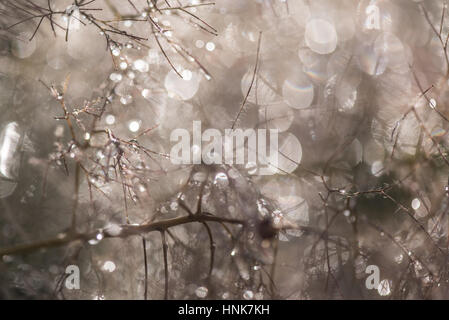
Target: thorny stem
{"x":212,"y":247}
{"x":164,"y":249}
{"x":76,"y":195}
{"x":251,"y":83}
{"x":144,"y":242}
{"x":33,"y":11}
{"x":443,"y":42}
{"x":126,"y":230}
{"x":273,"y":266}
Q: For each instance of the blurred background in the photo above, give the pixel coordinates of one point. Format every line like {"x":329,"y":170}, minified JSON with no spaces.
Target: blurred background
{"x":90,"y":92}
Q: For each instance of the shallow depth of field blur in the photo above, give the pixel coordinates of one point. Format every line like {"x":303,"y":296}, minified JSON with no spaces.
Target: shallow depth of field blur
{"x":90,"y":92}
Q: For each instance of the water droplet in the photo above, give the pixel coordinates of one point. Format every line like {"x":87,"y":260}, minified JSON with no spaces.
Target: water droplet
{"x":146,"y":93}
{"x":201,"y":292}
{"x":127,"y":99}
{"x":113,"y":230}
{"x":131,"y":75}
{"x":377,"y":168}
{"x":141,"y":65}
{"x":116,"y":77}
{"x":248,"y":295}
{"x":298,"y":91}
{"x":93,"y":242}
{"x":109,"y":266}
{"x":116,"y":52}
{"x":210,"y":46}
{"x":416,"y":204}
{"x":179,"y":88}
{"x":251,"y":168}
{"x":123,"y":65}
{"x":187,"y":75}
{"x":98,"y":237}
{"x":61,"y":235}
{"x":321,"y":36}
{"x":110,"y":119}
{"x":199,"y":43}
{"x":199,"y":176}
{"x":427,"y":279}
{"x":59,"y":131}
{"x":134,"y":126}
{"x":9,"y":158}
{"x":432,"y":103}
{"x":384,"y":288}
{"x":221,"y":180}
{"x":174,"y":205}
{"x":7,"y":258}
{"x":398,"y":259}
{"x":9,"y":145}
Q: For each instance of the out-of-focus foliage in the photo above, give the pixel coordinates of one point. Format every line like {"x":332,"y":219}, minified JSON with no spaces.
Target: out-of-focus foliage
{"x":90,"y":92}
